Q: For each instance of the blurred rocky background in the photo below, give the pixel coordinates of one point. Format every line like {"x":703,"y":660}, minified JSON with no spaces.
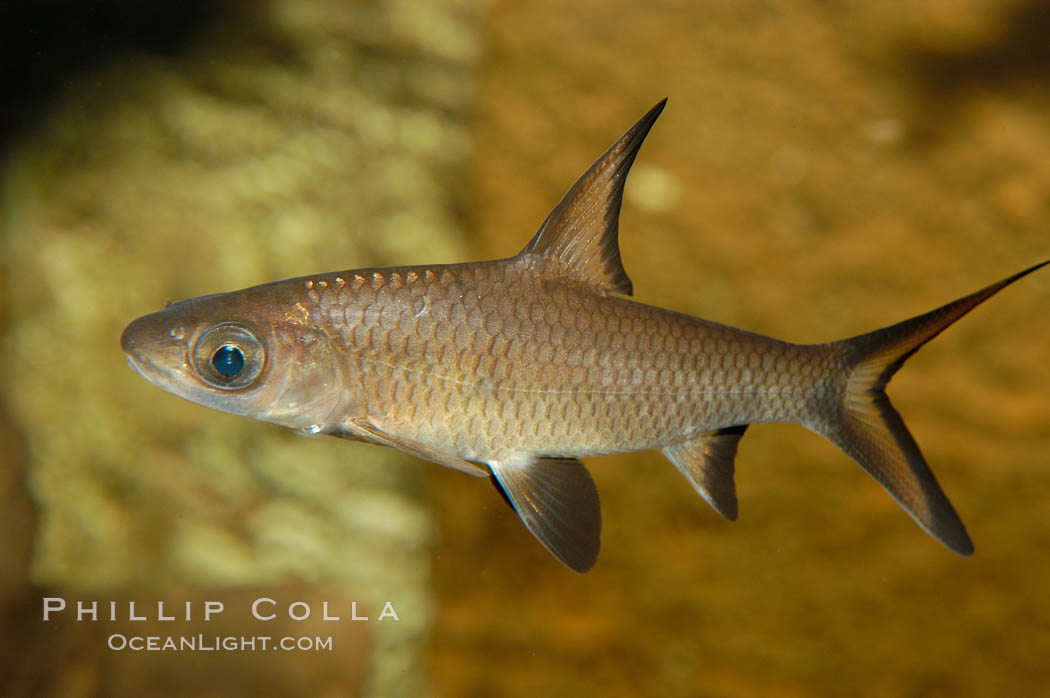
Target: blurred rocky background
{"x":821,"y":169}
{"x":165,"y":150}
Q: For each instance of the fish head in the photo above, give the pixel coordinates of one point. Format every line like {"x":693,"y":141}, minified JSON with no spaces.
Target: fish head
{"x":238,"y":353}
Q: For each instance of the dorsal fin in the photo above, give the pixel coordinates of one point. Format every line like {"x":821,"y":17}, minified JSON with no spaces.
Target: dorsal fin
{"x":580,"y":234}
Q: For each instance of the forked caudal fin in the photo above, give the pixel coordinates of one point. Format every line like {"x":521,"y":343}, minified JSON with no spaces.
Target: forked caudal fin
{"x":868,"y":429}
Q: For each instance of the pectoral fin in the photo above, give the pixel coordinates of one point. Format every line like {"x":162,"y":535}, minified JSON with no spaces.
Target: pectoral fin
{"x":558,"y":502}
{"x":707,"y":462}
{"x":363,"y":431}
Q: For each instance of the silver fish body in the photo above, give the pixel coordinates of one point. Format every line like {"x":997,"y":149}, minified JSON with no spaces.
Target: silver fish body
{"x":490,"y":361}
{"x":527,"y":363}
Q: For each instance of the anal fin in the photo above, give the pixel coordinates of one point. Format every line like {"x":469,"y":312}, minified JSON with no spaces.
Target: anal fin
{"x":558,"y":502}
{"x":707,"y":462}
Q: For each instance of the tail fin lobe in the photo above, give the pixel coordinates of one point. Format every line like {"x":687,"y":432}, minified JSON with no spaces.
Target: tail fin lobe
{"x":871,"y":432}
{"x":886,"y":350}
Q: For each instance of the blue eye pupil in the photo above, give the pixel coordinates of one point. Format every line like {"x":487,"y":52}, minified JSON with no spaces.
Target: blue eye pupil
{"x":228,"y":360}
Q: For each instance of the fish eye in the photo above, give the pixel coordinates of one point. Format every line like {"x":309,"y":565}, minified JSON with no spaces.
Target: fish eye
{"x":228,"y":360}
{"x":229,"y":356}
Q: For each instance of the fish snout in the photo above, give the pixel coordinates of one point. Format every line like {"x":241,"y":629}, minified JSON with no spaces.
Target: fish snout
{"x":127,"y":338}
{"x":152,"y":345}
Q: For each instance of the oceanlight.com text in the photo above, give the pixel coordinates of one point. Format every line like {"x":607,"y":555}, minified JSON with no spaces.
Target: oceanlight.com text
{"x":119,"y":642}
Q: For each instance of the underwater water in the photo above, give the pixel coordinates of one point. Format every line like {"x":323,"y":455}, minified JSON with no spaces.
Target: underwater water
{"x":819,"y":171}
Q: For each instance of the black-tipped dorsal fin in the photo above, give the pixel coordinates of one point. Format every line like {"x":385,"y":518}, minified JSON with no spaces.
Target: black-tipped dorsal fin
{"x":707,"y":462}
{"x":558,"y":502}
{"x":580,"y":234}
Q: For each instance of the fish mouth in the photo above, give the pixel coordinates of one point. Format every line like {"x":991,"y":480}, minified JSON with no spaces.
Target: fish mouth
{"x":148,"y":370}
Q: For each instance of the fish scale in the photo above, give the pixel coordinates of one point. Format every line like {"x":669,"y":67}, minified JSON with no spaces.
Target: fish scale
{"x":517,"y":367}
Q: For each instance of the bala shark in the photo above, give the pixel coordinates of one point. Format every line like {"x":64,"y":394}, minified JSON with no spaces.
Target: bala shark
{"x":517,"y":367}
